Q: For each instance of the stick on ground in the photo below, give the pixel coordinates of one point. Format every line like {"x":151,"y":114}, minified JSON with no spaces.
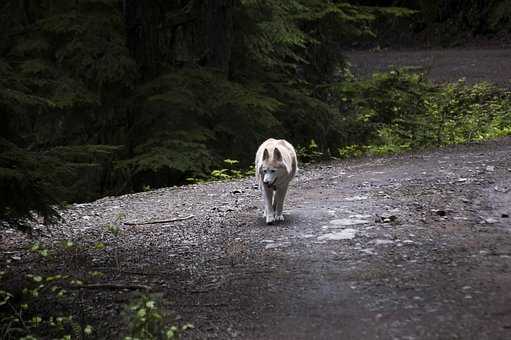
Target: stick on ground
{"x":162,"y":221}
{"x":113,"y":286}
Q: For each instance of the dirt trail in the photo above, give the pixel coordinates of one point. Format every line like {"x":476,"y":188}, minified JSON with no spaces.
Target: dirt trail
{"x":426,"y":254}
{"x":445,"y":65}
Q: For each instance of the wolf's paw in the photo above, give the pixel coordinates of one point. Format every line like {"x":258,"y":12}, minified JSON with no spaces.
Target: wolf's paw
{"x":270,"y":219}
{"x":279,"y":218}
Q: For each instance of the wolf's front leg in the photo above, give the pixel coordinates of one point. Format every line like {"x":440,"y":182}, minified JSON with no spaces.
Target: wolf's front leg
{"x":280,"y":195}
{"x":269,"y":213}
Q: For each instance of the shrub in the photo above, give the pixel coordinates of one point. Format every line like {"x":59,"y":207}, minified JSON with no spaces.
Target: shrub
{"x":398,"y":111}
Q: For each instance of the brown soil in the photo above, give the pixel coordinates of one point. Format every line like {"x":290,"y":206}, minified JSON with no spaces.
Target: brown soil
{"x":431,"y":261}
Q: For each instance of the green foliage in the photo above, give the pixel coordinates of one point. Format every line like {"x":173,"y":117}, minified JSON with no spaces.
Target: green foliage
{"x":146,"y":322}
{"x":499,"y":16}
{"x":189,"y":127}
{"x":309,"y":153}
{"x":452,"y":21}
{"x":462,"y":113}
{"x":54,"y":77}
{"x":352,"y":151}
{"x":24,"y":311}
{"x":26,"y":184}
{"x":116,"y":106}
{"x":230,"y":171}
{"x":49,"y":305}
{"x":396,"y":97}
{"x":399,"y":111}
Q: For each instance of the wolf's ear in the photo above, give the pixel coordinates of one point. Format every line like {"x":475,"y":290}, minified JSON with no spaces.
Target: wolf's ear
{"x":266,"y":155}
{"x":277,"y":155}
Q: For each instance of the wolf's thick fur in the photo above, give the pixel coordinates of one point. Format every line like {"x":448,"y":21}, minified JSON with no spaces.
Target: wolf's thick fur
{"x":275,"y":165}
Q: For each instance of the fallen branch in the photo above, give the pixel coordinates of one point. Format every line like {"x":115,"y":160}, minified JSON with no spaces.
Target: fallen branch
{"x":112,"y":286}
{"x":212,"y":305}
{"x":163,"y":221}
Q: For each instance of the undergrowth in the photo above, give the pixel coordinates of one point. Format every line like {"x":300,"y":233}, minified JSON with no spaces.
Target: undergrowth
{"x":42,"y":304}
{"x":400,"y":111}
{"x":231,"y":170}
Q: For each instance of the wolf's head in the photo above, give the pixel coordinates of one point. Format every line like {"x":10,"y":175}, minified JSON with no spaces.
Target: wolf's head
{"x":272,"y":169}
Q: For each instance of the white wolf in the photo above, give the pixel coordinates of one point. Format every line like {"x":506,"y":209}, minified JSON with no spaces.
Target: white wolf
{"x":275,"y":165}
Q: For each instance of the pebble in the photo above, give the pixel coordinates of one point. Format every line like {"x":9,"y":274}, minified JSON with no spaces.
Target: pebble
{"x":348,"y":221}
{"x":346,"y":234}
{"x":383,"y":242}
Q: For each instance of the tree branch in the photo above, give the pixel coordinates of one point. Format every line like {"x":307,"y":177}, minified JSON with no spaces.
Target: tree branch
{"x":163,"y":221}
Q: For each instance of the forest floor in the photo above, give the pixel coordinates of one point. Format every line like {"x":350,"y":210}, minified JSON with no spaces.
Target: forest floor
{"x":475,"y":64}
{"x":414,"y":246}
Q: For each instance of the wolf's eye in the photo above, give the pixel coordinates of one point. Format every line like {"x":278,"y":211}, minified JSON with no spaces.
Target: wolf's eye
{"x":272,"y":171}
{"x":265,"y":171}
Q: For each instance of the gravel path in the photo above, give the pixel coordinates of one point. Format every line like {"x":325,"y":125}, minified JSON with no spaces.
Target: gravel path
{"x":416,"y":246}
{"x":446,"y":65}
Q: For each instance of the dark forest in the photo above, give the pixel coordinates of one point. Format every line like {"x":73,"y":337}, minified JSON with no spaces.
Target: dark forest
{"x":103,"y":97}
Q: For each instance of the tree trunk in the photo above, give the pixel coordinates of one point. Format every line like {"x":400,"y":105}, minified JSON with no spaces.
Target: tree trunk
{"x":219,"y":28}
{"x":178,"y":33}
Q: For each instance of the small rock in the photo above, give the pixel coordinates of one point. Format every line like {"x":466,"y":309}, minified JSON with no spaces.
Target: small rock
{"x":383,"y":242}
{"x":490,"y":168}
{"x":389,"y":219}
{"x":368,"y":251}
{"x":360,"y":216}
{"x":346,"y":234}
{"x":500,"y":189}
{"x":385,"y":219}
{"x":348,"y":221}
{"x":274,"y":245}
{"x":440,"y":212}
{"x":357,"y":198}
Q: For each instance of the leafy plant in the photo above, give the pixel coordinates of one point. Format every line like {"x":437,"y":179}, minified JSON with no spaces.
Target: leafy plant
{"x":231,"y":171}
{"x":24,"y":312}
{"x":399,"y":111}
{"x":146,"y":322}
{"x":24,"y":301}
{"x":309,"y":153}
